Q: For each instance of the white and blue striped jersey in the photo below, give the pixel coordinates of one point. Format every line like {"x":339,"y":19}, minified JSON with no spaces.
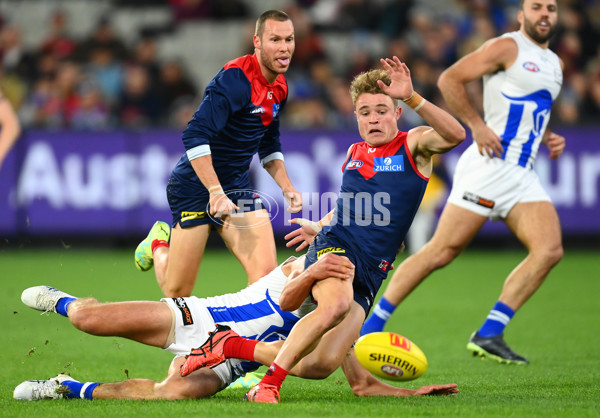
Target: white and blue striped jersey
{"x":254,"y":312}
{"x":517,"y":101}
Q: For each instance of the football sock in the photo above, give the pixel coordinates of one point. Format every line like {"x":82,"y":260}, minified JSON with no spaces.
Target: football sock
{"x":158,"y":243}
{"x":62,"y":306}
{"x":238,"y":347}
{"x":81,"y":390}
{"x":274,"y":376}
{"x":381,"y":313}
{"x":496,"y":321}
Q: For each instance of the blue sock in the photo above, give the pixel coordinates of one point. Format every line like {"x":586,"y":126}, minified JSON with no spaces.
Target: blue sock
{"x":79,"y":389}
{"x":496,"y":321}
{"x":381,"y":313}
{"x":62,"y":305}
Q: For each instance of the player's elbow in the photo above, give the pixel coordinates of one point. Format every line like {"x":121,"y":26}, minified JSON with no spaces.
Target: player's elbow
{"x":287,"y":303}
{"x":457,"y":134}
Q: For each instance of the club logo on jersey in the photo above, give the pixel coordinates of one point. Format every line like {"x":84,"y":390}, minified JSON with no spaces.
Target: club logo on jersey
{"x":186,"y":315}
{"x":258,"y":110}
{"x":394,"y":163}
{"x":531,"y":66}
{"x":472,"y":197}
{"x":188,"y":216}
{"x":354,"y":164}
{"x":330,"y":250}
{"x":275,"y":110}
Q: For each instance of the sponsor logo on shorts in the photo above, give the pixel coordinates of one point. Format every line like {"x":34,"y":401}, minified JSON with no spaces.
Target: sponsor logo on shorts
{"x":384,"y":265}
{"x":188,"y":216}
{"x":472,"y":197}
{"x":186,"y":315}
{"x":330,"y":250}
{"x":395,"y":163}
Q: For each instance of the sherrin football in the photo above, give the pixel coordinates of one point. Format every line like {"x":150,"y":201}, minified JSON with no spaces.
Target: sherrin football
{"x":390,"y":356}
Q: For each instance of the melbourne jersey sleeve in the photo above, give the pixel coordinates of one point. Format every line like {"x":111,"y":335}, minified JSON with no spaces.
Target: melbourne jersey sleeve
{"x":227,"y":93}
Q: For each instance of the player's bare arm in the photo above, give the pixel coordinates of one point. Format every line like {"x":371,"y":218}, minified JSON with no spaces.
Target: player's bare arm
{"x":494,"y":55}
{"x":556,"y":143}
{"x":364,"y":383}
{"x":11,"y":129}
{"x":307,"y":232}
{"x":219,"y":202}
{"x":298,"y":286}
{"x":276,"y":168}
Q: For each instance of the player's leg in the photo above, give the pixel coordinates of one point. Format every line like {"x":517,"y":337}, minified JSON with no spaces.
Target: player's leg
{"x":249,"y":236}
{"x":143,"y":321}
{"x":200,"y":384}
{"x":537,"y":226}
{"x":176,"y":267}
{"x":335,"y":299}
{"x":455,"y":230}
{"x":332,"y":348}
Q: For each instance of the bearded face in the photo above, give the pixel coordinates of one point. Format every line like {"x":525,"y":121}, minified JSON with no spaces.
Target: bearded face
{"x":539,"y":19}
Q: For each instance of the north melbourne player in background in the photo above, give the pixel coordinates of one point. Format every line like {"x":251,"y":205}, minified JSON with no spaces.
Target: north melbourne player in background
{"x":384,"y":178}
{"x":210,"y":186}
{"x":178,"y":324}
{"x":494,"y":177}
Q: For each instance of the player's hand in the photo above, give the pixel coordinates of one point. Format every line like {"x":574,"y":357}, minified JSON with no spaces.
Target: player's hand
{"x":332,"y":265}
{"x":556,"y":144}
{"x":294,"y":200}
{"x":304,"y":235}
{"x":221,"y":206}
{"x":488,"y":143}
{"x":401,"y":85}
{"x":449,"y":389}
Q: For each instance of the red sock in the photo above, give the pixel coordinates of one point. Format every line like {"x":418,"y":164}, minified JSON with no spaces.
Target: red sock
{"x":238,"y":347}
{"x":158,"y":243}
{"x":274,"y":376}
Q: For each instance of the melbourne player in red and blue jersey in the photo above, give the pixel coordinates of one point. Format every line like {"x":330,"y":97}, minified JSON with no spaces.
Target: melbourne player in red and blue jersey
{"x":210,"y":186}
{"x":383,"y":182}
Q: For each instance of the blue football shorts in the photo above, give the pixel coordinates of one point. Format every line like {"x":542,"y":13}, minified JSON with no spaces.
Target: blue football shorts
{"x":189,"y":202}
{"x":367,"y":280}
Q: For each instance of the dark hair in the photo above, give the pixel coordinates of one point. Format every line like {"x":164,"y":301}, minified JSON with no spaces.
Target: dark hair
{"x":277,"y":15}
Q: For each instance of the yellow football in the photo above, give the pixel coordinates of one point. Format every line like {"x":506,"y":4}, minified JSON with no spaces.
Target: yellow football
{"x":390,"y":356}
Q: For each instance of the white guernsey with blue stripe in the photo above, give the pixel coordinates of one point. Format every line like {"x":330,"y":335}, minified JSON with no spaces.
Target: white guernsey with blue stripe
{"x":517,"y":101}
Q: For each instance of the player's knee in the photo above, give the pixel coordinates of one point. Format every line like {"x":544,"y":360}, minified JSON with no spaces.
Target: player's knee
{"x":551,"y":254}
{"x":322,"y":366}
{"x":176,"y":290}
{"x":333,"y":313}
{"x":84,"y":317}
{"x":439,"y":256}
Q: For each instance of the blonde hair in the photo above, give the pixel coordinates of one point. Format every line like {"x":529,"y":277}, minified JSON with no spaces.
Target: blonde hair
{"x":367,"y":83}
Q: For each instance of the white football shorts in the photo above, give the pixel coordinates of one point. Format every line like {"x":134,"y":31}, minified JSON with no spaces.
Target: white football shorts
{"x":192,"y":324}
{"x":490,"y":187}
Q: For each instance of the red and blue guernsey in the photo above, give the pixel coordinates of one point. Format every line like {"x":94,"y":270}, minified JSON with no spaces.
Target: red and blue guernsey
{"x":238,"y":117}
{"x":380,"y":194}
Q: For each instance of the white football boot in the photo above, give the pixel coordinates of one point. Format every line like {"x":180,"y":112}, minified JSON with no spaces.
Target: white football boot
{"x":35,"y":390}
{"x":42,"y":298}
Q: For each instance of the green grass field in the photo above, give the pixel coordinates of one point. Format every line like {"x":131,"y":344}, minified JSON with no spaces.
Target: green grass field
{"x":558,"y":330}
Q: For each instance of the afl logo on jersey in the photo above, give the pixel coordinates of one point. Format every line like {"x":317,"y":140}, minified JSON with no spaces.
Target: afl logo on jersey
{"x":531,"y":66}
{"x":354,"y":164}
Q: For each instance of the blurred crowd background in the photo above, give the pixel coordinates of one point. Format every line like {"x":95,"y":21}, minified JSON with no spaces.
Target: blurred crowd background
{"x":108,"y":64}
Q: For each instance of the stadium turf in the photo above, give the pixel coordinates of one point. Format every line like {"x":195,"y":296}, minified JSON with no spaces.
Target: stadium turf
{"x":557,"y":330}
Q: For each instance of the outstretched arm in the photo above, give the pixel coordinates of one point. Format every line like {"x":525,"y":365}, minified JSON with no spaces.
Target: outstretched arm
{"x":444,"y":133}
{"x":364,"y":383}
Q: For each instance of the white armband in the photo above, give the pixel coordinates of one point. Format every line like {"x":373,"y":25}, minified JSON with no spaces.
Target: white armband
{"x":271,"y":157}
{"x":197,"y":152}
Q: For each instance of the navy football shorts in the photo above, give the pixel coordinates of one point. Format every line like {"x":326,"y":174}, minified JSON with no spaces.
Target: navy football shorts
{"x":367,"y":280}
{"x":189,"y":202}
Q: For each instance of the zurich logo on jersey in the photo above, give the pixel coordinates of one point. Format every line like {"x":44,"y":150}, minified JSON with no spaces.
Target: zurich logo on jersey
{"x":531,"y":66}
{"x":354,"y":164}
{"x":393,"y":163}
{"x":275,"y":109}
